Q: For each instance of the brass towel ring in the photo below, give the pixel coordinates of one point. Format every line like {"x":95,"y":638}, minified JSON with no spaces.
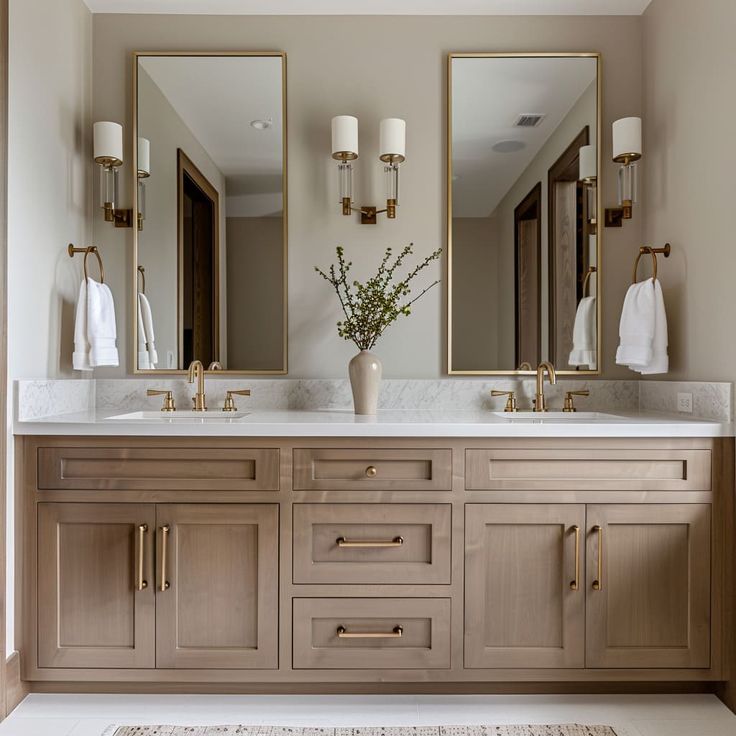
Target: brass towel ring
{"x":586,"y":281}
{"x":142,"y":272}
{"x":649,"y":250}
{"x":89,"y":249}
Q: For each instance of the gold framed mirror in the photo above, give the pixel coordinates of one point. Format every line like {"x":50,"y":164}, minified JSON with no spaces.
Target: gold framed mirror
{"x":523,"y":205}
{"x":210,"y":212}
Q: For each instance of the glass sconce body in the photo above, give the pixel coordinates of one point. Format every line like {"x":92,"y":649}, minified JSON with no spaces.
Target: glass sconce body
{"x":627,"y":187}
{"x":108,"y":190}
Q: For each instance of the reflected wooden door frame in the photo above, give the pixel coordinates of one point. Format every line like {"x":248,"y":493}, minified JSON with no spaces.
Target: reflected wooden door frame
{"x":532,"y":200}
{"x":565,"y":163}
{"x":185,"y":166}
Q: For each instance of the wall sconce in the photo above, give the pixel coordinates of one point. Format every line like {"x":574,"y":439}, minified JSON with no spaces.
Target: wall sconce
{"x":108,"y":153}
{"x":144,"y":171}
{"x":588,"y":175}
{"x":392,"y":137}
{"x":626,"y":151}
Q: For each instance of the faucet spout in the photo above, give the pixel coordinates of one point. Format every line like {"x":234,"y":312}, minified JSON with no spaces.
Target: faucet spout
{"x":196,"y":373}
{"x":540,"y":403}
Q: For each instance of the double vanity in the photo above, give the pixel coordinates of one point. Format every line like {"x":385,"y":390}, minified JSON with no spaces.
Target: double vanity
{"x":316,"y":549}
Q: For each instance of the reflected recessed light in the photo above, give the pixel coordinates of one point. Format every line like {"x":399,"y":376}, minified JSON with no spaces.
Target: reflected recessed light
{"x":509,"y":146}
{"x":261,"y":124}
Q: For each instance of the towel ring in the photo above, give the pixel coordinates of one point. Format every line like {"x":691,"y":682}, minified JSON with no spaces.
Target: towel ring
{"x":649,"y":250}
{"x":142,"y":272}
{"x":586,"y":281}
{"x":89,"y":249}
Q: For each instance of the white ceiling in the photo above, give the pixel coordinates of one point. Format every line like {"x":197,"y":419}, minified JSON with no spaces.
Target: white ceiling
{"x":488,"y":95}
{"x":372,"y":7}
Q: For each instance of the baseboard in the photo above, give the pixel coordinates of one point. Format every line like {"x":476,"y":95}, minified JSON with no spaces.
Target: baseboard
{"x":15,"y":688}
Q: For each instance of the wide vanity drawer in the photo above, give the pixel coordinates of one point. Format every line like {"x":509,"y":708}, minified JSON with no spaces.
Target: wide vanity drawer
{"x":372,"y":543}
{"x":588,"y":469}
{"x":372,"y":470}
{"x":371,"y":633}
{"x":129,"y":468}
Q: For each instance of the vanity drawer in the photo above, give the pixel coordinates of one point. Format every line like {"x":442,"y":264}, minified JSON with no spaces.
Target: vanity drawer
{"x":372,"y":543}
{"x":588,"y":469}
{"x":371,"y":633}
{"x":318,"y":469}
{"x":157,"y":469}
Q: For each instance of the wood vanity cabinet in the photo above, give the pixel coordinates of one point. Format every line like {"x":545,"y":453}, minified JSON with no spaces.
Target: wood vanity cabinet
{"x":286,"y":563}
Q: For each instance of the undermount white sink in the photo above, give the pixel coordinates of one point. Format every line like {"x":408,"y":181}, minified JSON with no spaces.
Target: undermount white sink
{"x":172,"y":416}
{"x":556,"y":416}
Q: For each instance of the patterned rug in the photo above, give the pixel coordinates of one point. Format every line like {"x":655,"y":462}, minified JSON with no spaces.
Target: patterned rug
{"x":542,"y":730}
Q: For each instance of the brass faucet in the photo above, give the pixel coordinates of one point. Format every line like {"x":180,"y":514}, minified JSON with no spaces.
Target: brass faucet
{"x":540,"y":403}
{"x":196,"y":372}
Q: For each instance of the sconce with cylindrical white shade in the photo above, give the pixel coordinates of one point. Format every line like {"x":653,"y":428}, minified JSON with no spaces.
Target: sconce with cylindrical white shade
{"x":107,"y":149}
{"x":392,"y":151}
{"x":627,"y":150}
{"x":588,"y":175}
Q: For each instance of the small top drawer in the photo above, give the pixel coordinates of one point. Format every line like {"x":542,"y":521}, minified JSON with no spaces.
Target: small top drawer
{"x":317,"y":469}
{"x":157,"y":469}
{"x":591,"y":469}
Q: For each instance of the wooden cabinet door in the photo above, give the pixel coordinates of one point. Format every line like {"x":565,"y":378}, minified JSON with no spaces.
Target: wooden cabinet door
{"x":524,"y":592}
{"x":95,"y":585}
{"x":648,"y":585}
{"x":217,"y":586}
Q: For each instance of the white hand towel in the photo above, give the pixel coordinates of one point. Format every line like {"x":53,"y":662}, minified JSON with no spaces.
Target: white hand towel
{"x":80,"y":356}
{"x":101,"y":330}
{"x":660,"y":362}
{"x":584,"y":334}
{"x":144,"y":360}
{"x":636,"y":328}
{"x":147,"y":317}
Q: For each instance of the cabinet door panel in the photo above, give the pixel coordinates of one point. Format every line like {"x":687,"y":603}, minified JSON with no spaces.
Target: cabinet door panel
{"x":220,"y":605}
{"x":651,"y":607}
{"x":91,"y":612}
{"x":520,"y":608}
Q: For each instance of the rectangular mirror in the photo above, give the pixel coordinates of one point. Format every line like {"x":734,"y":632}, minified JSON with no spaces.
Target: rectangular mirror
{"x":523,"y":205}
{"x":211,"y":236}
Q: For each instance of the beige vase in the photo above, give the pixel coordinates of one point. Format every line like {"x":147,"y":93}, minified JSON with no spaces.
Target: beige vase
{"x":365,"y":379}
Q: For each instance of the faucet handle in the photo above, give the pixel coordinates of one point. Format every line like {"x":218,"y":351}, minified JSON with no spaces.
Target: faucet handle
{"x":229,"y":404}
{"x":569,"y":405}
{"x":169,"y":404}
{"x":511,"y":401}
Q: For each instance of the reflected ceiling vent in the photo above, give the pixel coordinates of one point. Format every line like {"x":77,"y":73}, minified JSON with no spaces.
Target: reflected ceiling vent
{"x":529,"y":120}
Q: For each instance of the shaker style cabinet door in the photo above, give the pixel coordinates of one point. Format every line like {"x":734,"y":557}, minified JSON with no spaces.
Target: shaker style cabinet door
{"x":648,"y":585}
{"x":95,"y":585}
{"x":217,"y":586}
{"x":524,"y":591}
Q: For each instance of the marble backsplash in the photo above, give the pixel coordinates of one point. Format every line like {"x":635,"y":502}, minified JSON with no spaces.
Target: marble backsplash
{"x":36,"y":399}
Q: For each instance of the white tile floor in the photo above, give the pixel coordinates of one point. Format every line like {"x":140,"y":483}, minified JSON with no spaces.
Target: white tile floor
{"x":630,"y":715}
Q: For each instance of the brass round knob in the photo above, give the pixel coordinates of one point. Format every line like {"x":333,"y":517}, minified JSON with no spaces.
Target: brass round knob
{"x":371,"y":471}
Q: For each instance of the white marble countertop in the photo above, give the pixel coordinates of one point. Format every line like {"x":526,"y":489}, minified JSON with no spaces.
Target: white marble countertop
{"x":330,"y":423}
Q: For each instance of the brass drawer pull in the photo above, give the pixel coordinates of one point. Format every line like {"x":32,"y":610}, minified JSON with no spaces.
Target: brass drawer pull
{"x":141,"y":584}
{"x":371,"y":471}
{"x":575,"y":584}
{"x":367,"y":543}
{"x":396,"y":633}
{"x":598,"y":583}
{"x":165,"y":585}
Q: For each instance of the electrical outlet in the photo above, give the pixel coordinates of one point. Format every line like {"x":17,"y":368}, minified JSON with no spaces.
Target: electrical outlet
{"x":685,"y":403}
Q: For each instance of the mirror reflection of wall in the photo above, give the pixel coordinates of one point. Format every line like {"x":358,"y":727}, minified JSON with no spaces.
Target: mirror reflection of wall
{"x":212,"y":241}
{"x":522,"y":223}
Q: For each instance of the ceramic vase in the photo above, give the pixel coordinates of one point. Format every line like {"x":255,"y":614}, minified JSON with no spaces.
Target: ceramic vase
{"x":365,"y":379}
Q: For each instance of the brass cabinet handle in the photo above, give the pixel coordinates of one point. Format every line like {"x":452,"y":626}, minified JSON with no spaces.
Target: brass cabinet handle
{"x":575,"y":584}
{"x":396,"y":633}
{"x":141,"y":584}
{"x":371,"y":471}
{"x":395,"y":542}
{"x":165,"y":585}
{"x":598,"y":583}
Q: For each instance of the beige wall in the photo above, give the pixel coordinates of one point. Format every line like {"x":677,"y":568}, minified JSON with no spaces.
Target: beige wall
{"x":255,"y":304}
{"x":688,"y":173}
{"x":332,"y":69}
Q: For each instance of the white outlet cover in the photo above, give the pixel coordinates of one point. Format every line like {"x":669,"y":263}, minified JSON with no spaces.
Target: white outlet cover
{"x":685,"y":403}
